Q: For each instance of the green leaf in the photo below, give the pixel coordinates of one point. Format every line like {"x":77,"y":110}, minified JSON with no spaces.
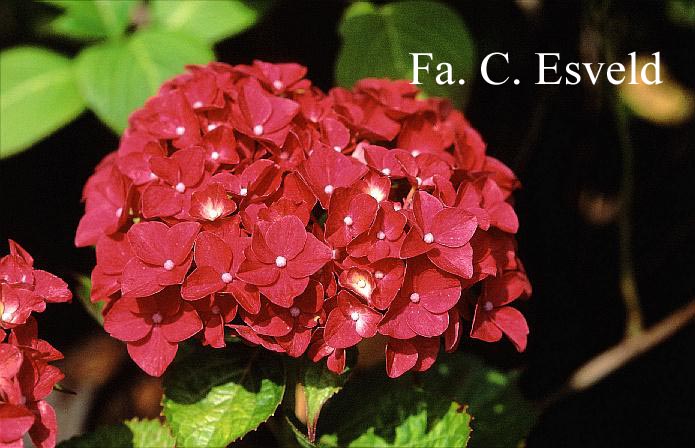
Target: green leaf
{"x":38,"y":95}
{"x":320,"y":384}
{"x":213,"y":397}
{"x":132,"y":433}
{"x":502,"y":416}
{"x":92,"y":19}
{"x":374,"y":410}
{"x":377,"y":42}
{"x":208,"y":20}
{"x":117,"y":77}
{"x":84,"y":291}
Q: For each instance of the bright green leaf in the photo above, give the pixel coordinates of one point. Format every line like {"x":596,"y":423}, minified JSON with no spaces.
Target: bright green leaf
{"x":209,"y":20}
{"x":38,"y":95}
{"x":84,"y":291}
{"x":320,"y":384}
{"x":92,"y":19}
{"x":117,"y":77}
{"x":377,"y":42}
{"x":213,"y":397}
{"x":132,"y":433}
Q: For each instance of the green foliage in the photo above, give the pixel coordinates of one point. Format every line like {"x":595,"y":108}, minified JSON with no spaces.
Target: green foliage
{"x":431,"y":409}
{"x":117,"y":77}
{"x":38,"y":95}
{"x":208,"y":20}
{"x":213,"y":397}
{"x":378,"y":40}
{"x":132,"y":433}
{"x":84,"y":291}
{"x":320,"y":384}
{"x":42,"y":91}
{"x":92,"y":19}
{"x":502,"y":416}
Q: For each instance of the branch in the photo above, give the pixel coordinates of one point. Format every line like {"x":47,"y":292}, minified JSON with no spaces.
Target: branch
{"x":614,"y":358}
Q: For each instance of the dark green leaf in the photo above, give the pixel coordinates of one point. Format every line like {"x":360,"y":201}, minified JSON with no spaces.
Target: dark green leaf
{"x":38,"y":95}
{"x":502,"y":416}
{"x":377,"y":42}
{"x":132,"y":433}
{"x":320,"y":384}
{"x":92,"y":19}
{"x":213,"y":397}
{"x":84,"y":290}
{"x":208,"y":20}
{"x":117,"y":77}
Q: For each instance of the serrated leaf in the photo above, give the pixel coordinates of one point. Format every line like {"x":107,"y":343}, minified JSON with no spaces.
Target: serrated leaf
{"x":38,"y":95}
{"x":377,"y":42}
{"x":117,"y":77}
{"x":320,"y":384}
{"x":92,"y":19}
{"x":132,"y":433}
{"x":376,"y":411}
{"x":213,"y":397}
{"x":84,"y":288}
{"x":502,"y":416}
{"x":208,"y":20}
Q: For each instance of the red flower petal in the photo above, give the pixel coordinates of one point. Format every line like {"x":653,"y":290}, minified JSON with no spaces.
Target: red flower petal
{"x":154,"y":353}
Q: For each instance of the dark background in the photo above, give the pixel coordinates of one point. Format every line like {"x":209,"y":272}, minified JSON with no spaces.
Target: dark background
{"x":562,"y":143}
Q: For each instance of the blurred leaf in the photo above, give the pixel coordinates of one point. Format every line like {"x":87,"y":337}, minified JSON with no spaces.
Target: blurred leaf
{"x":377,"y":42}
{"x":320,"y":384}
{"x":117,"y":77}
{"x":426,"y":409}
{"x":669,"y":103}
{"x":38,"y":95}
{"x":213,"y":397}
{"x":208,"y":20}
{"x":502,"y":417}
{"x":92,"y":19}
{"x":132,"y":433}
{"x":681,"y":12}
{"x":84,"y":290}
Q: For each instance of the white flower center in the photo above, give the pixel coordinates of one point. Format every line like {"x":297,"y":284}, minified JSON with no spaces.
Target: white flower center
{"x":361,"y":283}
{"x":328,"y":189}
{"x":169,"y":265}
{"x":294,"y":311}
{"x":415,"y":152}
{"x":337,"y":149}
{"x":348,"y":220}
{"x":380,"y":235}
{"x":157,"y":318}
{"x":227,"y":277}
{"x":212,"y":126}
{"x":386,"y":172}
{"x":197,"y":104}
{"x":415,"y":297}
{"x":279,"y":85}
{"x":284,"y":155}
{"x":419,"y":181}
{"x":397,"y":206}
{"x":152,"y":175}
{"x":428,"y":238}
{"x":258,"y":129}
{"x":215,"y":155}
{"x":379,"y":275}
{"x":281,"y":261}
{"x":488,"y":306}
{"x":180,"y":130}
{"x":355,"y":316}
{"x":180,"y":187}
{"x":334,"y":254}
{"x":119,"y":212}
{"x":243,"y":191}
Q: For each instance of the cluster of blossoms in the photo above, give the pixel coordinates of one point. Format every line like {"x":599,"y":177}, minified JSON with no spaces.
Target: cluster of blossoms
{"x":26,"y":377}
{"x":243,"y":197}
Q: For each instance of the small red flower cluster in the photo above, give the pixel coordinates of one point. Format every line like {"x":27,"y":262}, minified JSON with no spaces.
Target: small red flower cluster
{"x":243,"y":197}
{"x":26,"y":377}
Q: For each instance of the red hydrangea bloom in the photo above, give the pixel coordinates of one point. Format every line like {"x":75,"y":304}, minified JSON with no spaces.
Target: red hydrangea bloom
{"x":242,"y":199}
{"x":26,"y":377}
